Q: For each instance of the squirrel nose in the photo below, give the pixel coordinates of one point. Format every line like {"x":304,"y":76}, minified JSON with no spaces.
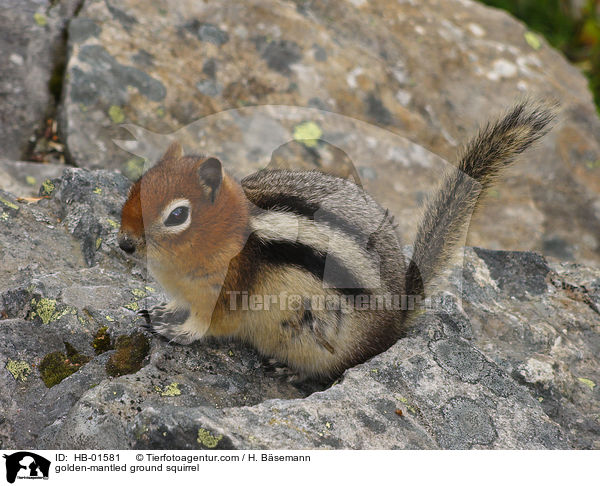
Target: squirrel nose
{"x":126,"y":244}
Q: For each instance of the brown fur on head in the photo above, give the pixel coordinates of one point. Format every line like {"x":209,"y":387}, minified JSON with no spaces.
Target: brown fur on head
{"x":186,"y":214}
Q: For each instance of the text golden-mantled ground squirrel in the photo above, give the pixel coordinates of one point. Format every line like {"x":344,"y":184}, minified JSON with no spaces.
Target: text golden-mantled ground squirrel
{"x":275,"y":260}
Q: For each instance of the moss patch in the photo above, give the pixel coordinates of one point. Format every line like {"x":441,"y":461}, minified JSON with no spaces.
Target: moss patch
{"x":593,"y":164}
{"x":102,"y":342}
{"x":308,"y":133}
{"x":171,"y":390}
{"x":55,"y":367}
{"x":134,"y":168}
{"x":9,"y":204}
{"x":207,"y":439}
{"x":19,"y":369}
{"x":133,"y":306}
{"x":40,"y":19}
{"x":116,"y":114}
{"x":47,"y":310}
{"x":129,"y":355}
{"x":533,"y":40}
{"x":113,"y":224}
{"x":138,"y":293}
{"x":587,"y":382}
{"x":47,"y":188}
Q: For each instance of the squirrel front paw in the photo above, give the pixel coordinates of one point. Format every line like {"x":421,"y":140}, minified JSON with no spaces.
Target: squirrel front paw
{"x":164,"y":320}
{"x":172,"y":323}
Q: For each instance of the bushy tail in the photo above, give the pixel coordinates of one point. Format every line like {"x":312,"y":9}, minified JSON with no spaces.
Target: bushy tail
{"x":448,"y":211}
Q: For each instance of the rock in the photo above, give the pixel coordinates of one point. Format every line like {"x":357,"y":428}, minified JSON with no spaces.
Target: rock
{"x":23,"y":179}
{"x":33,"y":49}
{"x":543,"y":334}
{"x":431,"y":72}
{"x":507,"y":357}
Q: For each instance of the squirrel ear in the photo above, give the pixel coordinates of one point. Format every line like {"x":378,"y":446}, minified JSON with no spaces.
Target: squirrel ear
{"x":211,"y":176}
{"x":175,"y":151}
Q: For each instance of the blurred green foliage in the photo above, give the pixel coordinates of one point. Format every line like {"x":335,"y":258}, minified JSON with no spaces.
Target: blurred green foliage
{"x":576,"y":32}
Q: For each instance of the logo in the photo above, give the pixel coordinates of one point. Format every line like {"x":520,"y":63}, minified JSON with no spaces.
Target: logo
{"x":26,"y":465}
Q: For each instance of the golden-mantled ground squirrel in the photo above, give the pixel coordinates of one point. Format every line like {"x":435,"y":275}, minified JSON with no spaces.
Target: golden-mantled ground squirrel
{"x":305,"y":266}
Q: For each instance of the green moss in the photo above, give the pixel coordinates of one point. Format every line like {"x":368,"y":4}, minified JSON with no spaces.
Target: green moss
{"x":98,"y":190}
{"x":592,"y":164}
{"x":8,"y":204}
{"x":129,"y":355}
{"x":32,"y":181}
{"x":40,"y":19}
{"x":116,"y":114}
{"x":46,"y":310}
{"x":19,"y":369}
{"x":134,"y":168}
{"x":56,"y":366}
{"x":102,"y":341}
{"x":133,"y":306}
{"x":113,"y":224}
{"x":138,"y":293}
{"x":410,"y":408}
{"x":171,"y":390}
{"x":587,"y":382}
{"x":207,"y":439}
{"x":47,"y":188}
{"x":308,"y":133}
{"x":98,"y":243}
{"x":533,"y":40}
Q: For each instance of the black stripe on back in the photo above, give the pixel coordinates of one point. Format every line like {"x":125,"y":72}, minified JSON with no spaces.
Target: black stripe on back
{"x":300,"y":206}
{"x":281,"y":252}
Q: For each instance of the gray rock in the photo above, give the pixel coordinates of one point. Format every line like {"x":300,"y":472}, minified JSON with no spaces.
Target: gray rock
{"x":454,"y":382}
{"x":23,"y":179}
{"x":33,"y":49}
{"x":543,"y":333}
{"x":509,"y":359}
{"x":431,"y":71}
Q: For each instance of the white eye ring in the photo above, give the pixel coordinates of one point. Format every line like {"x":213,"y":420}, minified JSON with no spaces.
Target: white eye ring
{"x":164,"y":216}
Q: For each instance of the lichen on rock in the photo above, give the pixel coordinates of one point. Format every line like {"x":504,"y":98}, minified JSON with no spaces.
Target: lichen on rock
{"x":207,"y":439}
{"x":19,"y":369}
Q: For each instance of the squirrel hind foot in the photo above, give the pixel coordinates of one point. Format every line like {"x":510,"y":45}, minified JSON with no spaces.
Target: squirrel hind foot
{"x":273,"y":367}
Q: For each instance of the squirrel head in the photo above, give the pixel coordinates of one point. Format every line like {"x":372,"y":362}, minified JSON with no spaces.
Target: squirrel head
{"x":185,"y":214}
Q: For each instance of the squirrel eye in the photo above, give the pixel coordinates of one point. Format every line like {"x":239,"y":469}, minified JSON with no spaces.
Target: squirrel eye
{"x":178,"y":216}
